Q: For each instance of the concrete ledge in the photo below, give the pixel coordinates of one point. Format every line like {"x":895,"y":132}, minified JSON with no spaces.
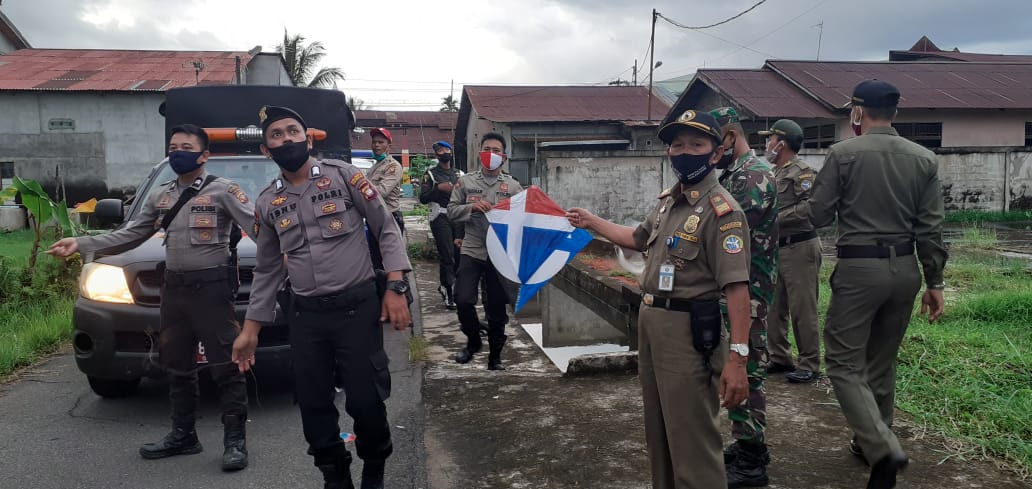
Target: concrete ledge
{"x":603,"y":363}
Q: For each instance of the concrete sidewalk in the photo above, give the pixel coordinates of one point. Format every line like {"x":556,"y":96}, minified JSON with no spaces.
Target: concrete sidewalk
{"x":530,"y":427}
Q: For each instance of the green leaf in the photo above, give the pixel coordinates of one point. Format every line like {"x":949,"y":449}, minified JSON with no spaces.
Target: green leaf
{"x":30,"y":187}
{"x":40,"y":208}
{"x":61,"y":214}
{"x":8,"y":194}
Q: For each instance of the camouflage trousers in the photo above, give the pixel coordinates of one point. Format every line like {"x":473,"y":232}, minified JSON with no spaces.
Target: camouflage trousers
{"x":749,"y":419}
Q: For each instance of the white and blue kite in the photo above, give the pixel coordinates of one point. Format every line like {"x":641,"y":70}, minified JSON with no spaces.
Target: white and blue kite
{"x":530,"y":240}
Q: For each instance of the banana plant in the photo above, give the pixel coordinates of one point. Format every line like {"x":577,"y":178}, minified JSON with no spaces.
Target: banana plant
{"x":42,"y":209}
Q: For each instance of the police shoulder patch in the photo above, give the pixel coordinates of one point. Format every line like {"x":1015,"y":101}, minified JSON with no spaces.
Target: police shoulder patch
{"x":733,"y":244}
{"x":664,"y":194}
{"x":805,"y":184}
{"x":720,"y":205}
{"x":731,"y":225}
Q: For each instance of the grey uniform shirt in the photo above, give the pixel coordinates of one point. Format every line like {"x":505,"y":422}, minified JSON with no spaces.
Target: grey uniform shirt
{"x":318,"y":227}
{"x":470,"y":189}
{"x":198,"y":237}
{"x":386,"y":179}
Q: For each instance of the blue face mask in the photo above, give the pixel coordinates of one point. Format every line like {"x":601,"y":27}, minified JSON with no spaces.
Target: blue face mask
{"x":183,"y":162}
{"x":691,"y":169}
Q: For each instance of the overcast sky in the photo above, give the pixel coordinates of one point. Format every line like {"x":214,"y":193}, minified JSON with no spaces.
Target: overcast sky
{"x":403,"y":54}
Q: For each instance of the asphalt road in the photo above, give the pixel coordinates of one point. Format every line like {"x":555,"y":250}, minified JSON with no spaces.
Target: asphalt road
{"x":56,"y":433}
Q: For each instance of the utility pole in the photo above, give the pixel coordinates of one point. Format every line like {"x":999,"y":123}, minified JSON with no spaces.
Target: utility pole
{"x":820,"y":34}
{"x":652,"y":57}
{"x":635,"y":72}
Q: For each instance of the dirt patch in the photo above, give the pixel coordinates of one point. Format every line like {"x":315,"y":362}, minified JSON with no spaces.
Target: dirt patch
{"x":608,"y":266}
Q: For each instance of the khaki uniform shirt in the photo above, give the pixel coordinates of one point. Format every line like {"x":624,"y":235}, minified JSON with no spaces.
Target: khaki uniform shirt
{"x":702,"y":232}
{"x":470,"y":189}
{"x":386,"y":179}
{"x":885,"y":190}
{"x":198,"y":237}
{"x":318,"y":227}
{"x":795,"y":181}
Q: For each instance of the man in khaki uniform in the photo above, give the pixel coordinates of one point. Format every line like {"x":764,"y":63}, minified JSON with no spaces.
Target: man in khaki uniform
{"x":886,"y":194}
{"x":799,"y":259}
{"x":473,"y":196}
{"x":198,"y":291}
{"x":696,"y":245}
{"x":308,"y":226}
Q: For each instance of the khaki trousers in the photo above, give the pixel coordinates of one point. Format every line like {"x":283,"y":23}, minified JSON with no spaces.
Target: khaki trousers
{"x":795,"y":299}
{"x":872,"y":300}
{"x":681,"y":405}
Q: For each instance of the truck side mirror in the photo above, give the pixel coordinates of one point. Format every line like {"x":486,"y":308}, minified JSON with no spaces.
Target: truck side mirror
{"x":109,"y":211}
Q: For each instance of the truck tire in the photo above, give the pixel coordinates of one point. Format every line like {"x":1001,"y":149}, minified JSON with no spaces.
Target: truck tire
{"x":113,"y":389}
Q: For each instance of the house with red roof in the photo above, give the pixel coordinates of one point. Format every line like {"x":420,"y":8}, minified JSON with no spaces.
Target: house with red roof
{"x":91,"y":116}
{"x":973,"y":109}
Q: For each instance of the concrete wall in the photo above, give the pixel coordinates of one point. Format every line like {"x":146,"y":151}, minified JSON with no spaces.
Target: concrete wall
{"x":618,"y":185}
{"x":115,"y":141}
{"x":266,"y":69}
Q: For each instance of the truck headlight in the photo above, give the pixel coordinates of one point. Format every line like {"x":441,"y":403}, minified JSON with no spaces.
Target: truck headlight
{"x":104,"y":283}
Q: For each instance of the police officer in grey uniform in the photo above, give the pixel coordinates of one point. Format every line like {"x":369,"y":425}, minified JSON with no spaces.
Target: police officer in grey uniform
{"x":198,"y":292}
{"x":435,"y":190}
{"x":886,"y":194}
{"x":473,"y":196}
{"x":309,"y":226}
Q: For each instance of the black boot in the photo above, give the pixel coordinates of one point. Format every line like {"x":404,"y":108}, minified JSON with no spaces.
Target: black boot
{"x":182,"y":440}
{"x":335,"y":464}
{"x":372,"y":474}
{"x":731,"y":453}
{"x":449,"y":299}
{"x":749,"y":468}
{"x":466,"y":354}
{"x":234,"y":457}
{"x":883,"y":474}
{"x":494,"y":357}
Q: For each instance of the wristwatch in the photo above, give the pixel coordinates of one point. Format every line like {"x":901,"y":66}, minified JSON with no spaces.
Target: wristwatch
{"x":741,"y":349}
{"x":938,"y":286}
{"x":400,"y":287}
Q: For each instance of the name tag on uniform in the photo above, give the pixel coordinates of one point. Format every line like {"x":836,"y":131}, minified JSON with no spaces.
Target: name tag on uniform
{"x":666,"y":277}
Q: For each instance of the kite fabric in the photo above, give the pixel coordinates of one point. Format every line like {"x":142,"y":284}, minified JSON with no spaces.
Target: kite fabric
{"x":530,"y":240}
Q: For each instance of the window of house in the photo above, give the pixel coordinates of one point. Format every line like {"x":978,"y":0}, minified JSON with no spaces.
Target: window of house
{"x":6,"y":174}
{"x":757,"y":142}
{"x":1028,"y":134}
{"x":819,"y":136}
{"x":927,"y":134}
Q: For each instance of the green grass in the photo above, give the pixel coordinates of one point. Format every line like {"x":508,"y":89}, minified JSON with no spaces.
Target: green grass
{"x":979,"y":237}
{"x":418,"y":349}
{"x":969,"y":375}
{"x":418,"y":210}
{"x":621,"y":273}
{"x":422,"y":250}
{"x":29,"y":331}
{"x":987,"y":216}
{"x":16,"y":245}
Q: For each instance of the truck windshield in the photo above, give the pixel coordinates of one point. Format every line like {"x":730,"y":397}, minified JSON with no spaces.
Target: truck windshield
{"x":253,"y":174}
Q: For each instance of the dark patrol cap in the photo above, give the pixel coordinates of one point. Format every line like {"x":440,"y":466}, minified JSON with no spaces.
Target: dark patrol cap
{"x":875,"y":93}
{"x":700,"y":121}
{"x":272,"y":113}
{"x":785,"y":129}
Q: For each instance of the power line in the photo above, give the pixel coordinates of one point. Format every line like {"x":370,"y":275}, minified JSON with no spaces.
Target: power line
{"x":678,"y":24}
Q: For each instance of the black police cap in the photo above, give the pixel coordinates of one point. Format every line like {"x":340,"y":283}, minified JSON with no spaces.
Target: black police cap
{"x":272,"y":113}
{"x":875,"y":93}
{"x":703,"y":122}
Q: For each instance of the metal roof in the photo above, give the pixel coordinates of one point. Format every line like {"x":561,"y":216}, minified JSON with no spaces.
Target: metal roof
{"x":922,"y":84}
{"x":115,"y":70}
{"x":763,"y":93}
{"x":415,"y":131}
{"x":563,"y":103}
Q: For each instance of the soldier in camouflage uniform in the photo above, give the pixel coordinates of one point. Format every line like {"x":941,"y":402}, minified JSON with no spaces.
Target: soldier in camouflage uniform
{"x":751,"y":181}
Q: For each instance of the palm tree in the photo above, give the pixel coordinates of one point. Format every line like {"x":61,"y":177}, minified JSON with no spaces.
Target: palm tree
{"x":302,"y":60}
{"x":356,"y":104}
{"x":449,"y":104}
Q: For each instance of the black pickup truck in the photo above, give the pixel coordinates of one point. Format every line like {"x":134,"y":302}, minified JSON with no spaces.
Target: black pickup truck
{"x":116,"y":317}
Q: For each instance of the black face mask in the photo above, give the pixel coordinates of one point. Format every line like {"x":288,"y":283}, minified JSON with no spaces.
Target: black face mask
{"x":291,"y":156}
{"x":728,"y":157}
{"x":691,"y":169}
{"x":445,"y":158}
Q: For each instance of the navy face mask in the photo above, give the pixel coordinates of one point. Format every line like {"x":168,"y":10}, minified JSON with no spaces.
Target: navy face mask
{"x":183,"y":162}
{"x":691,"y":169}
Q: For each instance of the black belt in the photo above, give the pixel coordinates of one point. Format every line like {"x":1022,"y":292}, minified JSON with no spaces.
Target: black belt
{"x":680,"y":305}
{"x":875,"y":251}
{"x":346,"y":300}
{"x":194,"y":277}
{"x":797,"y":238}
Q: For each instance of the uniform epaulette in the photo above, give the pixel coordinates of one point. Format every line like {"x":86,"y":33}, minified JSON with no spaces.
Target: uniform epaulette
{"x":332,"y":162}
{"x":166,"y":184}
{"x":270,"y":186}
{"x":720,"y":205}
{"x":666,"y":193}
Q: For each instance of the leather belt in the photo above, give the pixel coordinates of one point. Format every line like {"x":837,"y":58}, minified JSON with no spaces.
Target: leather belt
{"x":346,"y":300}
{"x":875,"y":251}
{"x":194,"y":277}
{"x":680,"y":305}
{"x":797,"y":238}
